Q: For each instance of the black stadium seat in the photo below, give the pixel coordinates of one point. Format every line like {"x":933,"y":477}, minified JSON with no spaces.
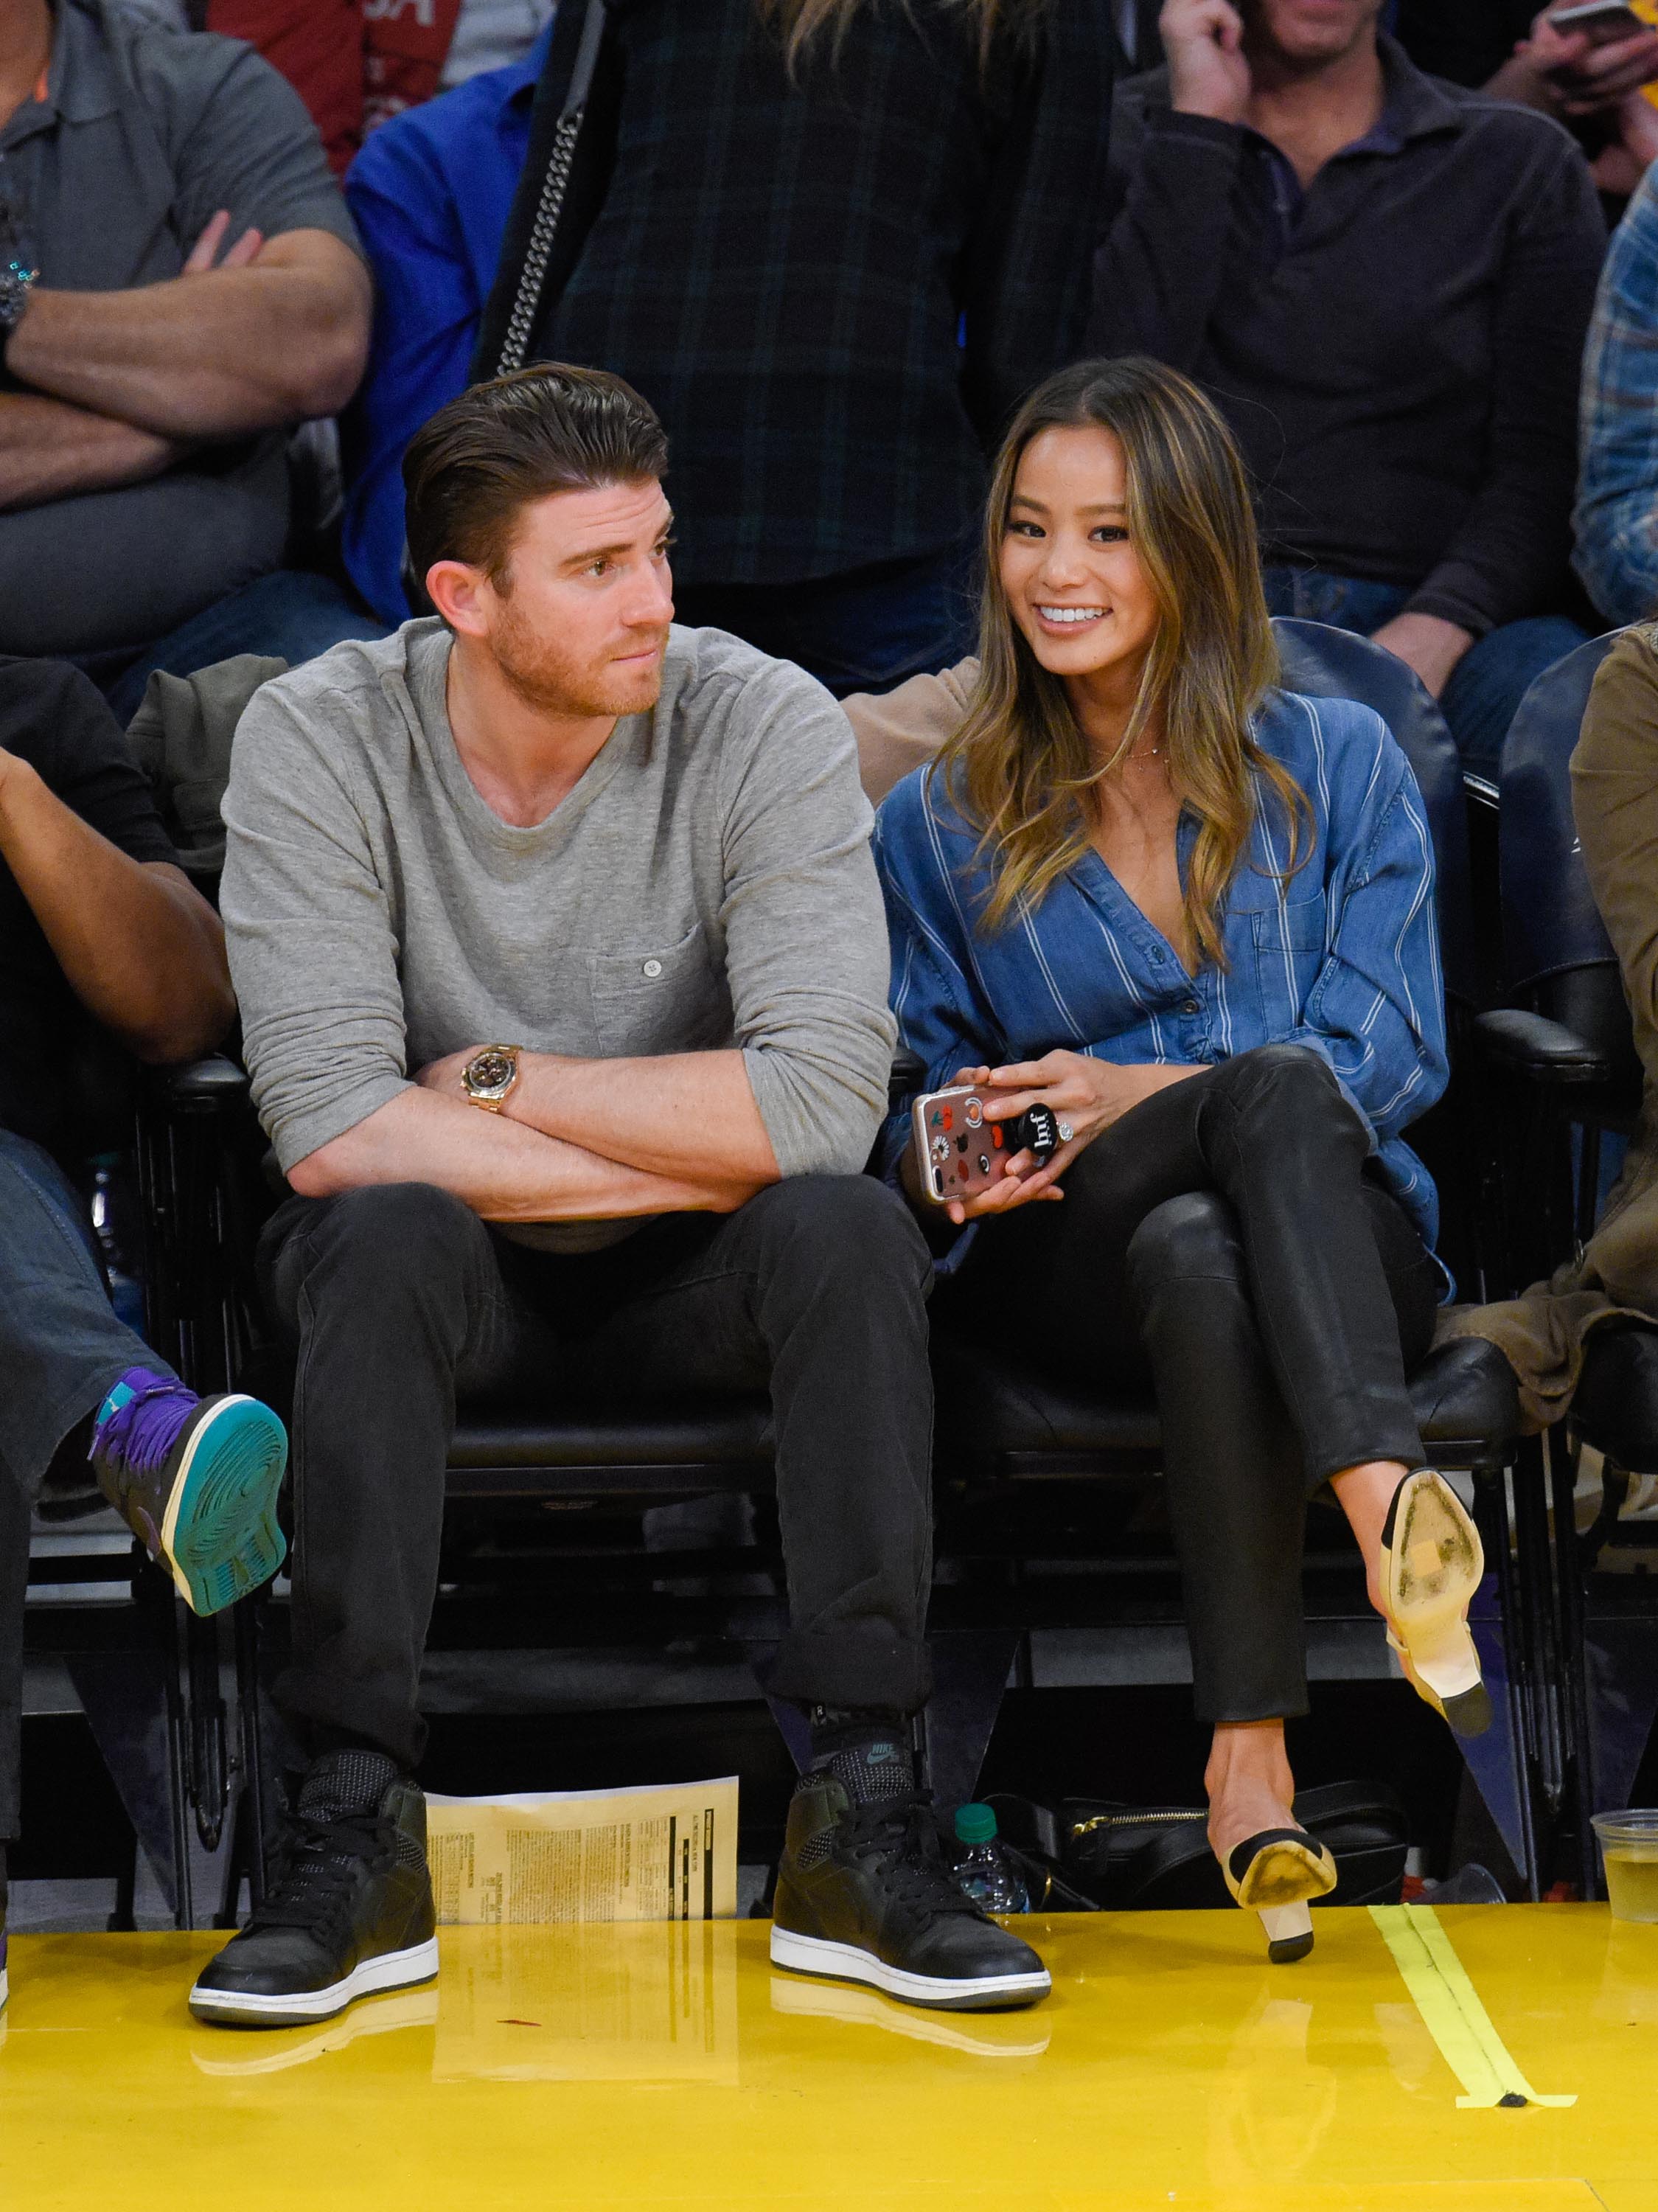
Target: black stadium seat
{"x":1563,"y":1054}
{"x":1335,"y":664}
{"x":1565,"y":1029}
{"x":726,"y":1445}
{"x":1465,"y":1403}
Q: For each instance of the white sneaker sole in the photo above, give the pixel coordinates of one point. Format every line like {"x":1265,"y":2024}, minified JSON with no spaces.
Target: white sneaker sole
{"x":844,"y":1962}
{"x":391,"y":1970}
{"x":229,"y":1528}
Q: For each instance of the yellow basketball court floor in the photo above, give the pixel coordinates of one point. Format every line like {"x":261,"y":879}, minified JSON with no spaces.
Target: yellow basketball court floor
{"x":670,"y":2069}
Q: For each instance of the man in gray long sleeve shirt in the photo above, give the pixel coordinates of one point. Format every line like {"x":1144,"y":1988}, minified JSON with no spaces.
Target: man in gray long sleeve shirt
{"x":638,"y":858}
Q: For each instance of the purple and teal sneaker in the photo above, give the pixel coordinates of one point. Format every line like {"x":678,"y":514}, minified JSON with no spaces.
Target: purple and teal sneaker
{"x":196,"y":1480}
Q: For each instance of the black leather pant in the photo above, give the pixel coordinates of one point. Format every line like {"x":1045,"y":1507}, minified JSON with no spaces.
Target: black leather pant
{"x":1225,"y":1244}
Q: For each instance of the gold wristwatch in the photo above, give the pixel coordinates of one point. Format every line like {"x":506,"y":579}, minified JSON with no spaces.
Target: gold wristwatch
{"x":490,"y":1077}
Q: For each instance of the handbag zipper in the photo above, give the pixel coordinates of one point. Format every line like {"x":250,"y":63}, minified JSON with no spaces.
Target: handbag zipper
{"x":1128,"y":1821}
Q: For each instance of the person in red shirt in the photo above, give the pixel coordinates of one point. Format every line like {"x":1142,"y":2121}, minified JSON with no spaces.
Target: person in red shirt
{"x":356,"y":63}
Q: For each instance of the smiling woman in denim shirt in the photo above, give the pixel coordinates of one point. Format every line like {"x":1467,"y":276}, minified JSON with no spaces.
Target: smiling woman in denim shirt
{"x":1193,"y":915}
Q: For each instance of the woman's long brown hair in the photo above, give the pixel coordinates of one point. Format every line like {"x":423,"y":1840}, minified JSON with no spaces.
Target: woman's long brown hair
{"x":1020,"y":767}
{"x":799,"y":23}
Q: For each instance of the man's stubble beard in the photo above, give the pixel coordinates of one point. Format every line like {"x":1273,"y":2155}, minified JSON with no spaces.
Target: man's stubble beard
{"x":1303,"y":64}
{"x":554,"y":684}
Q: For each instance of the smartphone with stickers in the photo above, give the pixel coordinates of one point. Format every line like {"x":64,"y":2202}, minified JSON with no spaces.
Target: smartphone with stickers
{"x":959,"y":1152}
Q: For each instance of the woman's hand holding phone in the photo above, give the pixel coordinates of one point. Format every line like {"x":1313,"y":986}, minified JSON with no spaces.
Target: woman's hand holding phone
{"x":1086,"y":1096}
{"x":1015,"y":1172}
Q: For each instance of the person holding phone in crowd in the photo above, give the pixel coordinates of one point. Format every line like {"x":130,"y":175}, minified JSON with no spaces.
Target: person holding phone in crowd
{"x":1584,"y":62}
{"x":1193,"y":915}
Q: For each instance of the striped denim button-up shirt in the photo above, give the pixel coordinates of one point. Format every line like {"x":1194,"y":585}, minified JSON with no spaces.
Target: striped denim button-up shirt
{"x":1342,"y":956}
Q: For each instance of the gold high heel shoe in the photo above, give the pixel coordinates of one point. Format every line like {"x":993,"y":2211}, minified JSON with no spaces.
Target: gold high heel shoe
{"x":1431,"y":1564}
{"x":1276,"y":1874}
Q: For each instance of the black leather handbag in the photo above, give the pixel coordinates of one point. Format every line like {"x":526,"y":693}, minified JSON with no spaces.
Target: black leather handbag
{"x":1120,"y":1858}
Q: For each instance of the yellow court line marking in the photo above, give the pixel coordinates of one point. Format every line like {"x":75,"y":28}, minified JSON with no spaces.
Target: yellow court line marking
{"x":1449,"y":2004}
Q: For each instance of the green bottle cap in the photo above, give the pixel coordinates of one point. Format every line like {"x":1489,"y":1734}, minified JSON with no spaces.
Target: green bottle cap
{"x":975,"y":1823}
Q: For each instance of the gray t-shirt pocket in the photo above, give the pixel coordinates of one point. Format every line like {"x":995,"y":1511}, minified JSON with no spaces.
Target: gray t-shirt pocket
{"x":660,"y":998}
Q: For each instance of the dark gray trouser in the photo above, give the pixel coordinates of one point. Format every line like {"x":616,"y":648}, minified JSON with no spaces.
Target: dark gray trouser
{"x":1223,"y":1243}
{"x":62,"y":1351}
{"x":401,"y":1304}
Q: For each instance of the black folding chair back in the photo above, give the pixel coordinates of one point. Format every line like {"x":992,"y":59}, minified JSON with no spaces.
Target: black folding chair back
{"x":1563,"y":1048}
{"x":1557,"y":957}
{"x":1327,"y":663}
{"x":1565,"y":1030}
{"x":1335,"y":664}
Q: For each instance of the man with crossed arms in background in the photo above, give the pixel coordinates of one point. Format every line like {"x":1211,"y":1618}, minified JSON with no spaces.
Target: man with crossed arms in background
{"x":180,"y":286}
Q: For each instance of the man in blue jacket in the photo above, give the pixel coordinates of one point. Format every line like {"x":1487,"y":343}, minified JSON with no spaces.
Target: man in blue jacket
{"x":431,"y":192}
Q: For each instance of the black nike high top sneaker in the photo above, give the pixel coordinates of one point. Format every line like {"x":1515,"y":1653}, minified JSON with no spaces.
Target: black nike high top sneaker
{"x":349,"y":1911}
{"x":863,"y":1893}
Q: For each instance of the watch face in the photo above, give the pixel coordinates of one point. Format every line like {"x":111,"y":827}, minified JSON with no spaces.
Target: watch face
{"x":491,"y":1070}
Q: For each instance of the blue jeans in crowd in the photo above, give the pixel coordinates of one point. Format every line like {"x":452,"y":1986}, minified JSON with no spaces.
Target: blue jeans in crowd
{"x":62,"y":1351}
{"x":865,"y":631}
{"x":1487,"y":684}
{"x":292,"y":615}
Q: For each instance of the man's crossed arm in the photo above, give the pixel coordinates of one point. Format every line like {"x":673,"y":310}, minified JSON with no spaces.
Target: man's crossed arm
{"x":123,"y":383}
{"x":139,"y":945}
{"x":579,"y":1139}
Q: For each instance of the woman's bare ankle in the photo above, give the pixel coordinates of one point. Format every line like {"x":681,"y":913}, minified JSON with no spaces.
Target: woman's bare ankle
{"x":1249,"y":1782}
{"x":1364,"y":1494}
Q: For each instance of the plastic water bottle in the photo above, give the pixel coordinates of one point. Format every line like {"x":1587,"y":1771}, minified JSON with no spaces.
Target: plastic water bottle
{"x":982,"y":1868}
{"x":126,"y":1293}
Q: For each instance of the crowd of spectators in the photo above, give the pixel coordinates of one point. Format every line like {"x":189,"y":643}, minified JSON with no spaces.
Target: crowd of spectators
{"x":1378,"y":248}
{"x":1342,"y":260}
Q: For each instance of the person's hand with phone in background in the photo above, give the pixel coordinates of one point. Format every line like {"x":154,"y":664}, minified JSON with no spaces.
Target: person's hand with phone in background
{"x":1589,"y":67}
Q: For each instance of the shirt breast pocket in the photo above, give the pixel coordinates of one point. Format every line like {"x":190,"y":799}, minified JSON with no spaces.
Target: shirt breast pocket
{"x":662,"y":999}
{"x":1290,"y":952}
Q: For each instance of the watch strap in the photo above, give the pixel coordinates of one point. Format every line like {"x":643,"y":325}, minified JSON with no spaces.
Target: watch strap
{"x":492,"y":1093}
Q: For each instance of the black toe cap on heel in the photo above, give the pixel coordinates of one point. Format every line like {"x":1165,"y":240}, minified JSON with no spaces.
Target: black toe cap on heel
{"x":1289,"y":1949}
{"x":1472,"y":1713}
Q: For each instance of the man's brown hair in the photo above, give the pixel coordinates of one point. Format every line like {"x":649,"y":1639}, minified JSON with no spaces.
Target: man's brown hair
{"x":469,"y":472}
